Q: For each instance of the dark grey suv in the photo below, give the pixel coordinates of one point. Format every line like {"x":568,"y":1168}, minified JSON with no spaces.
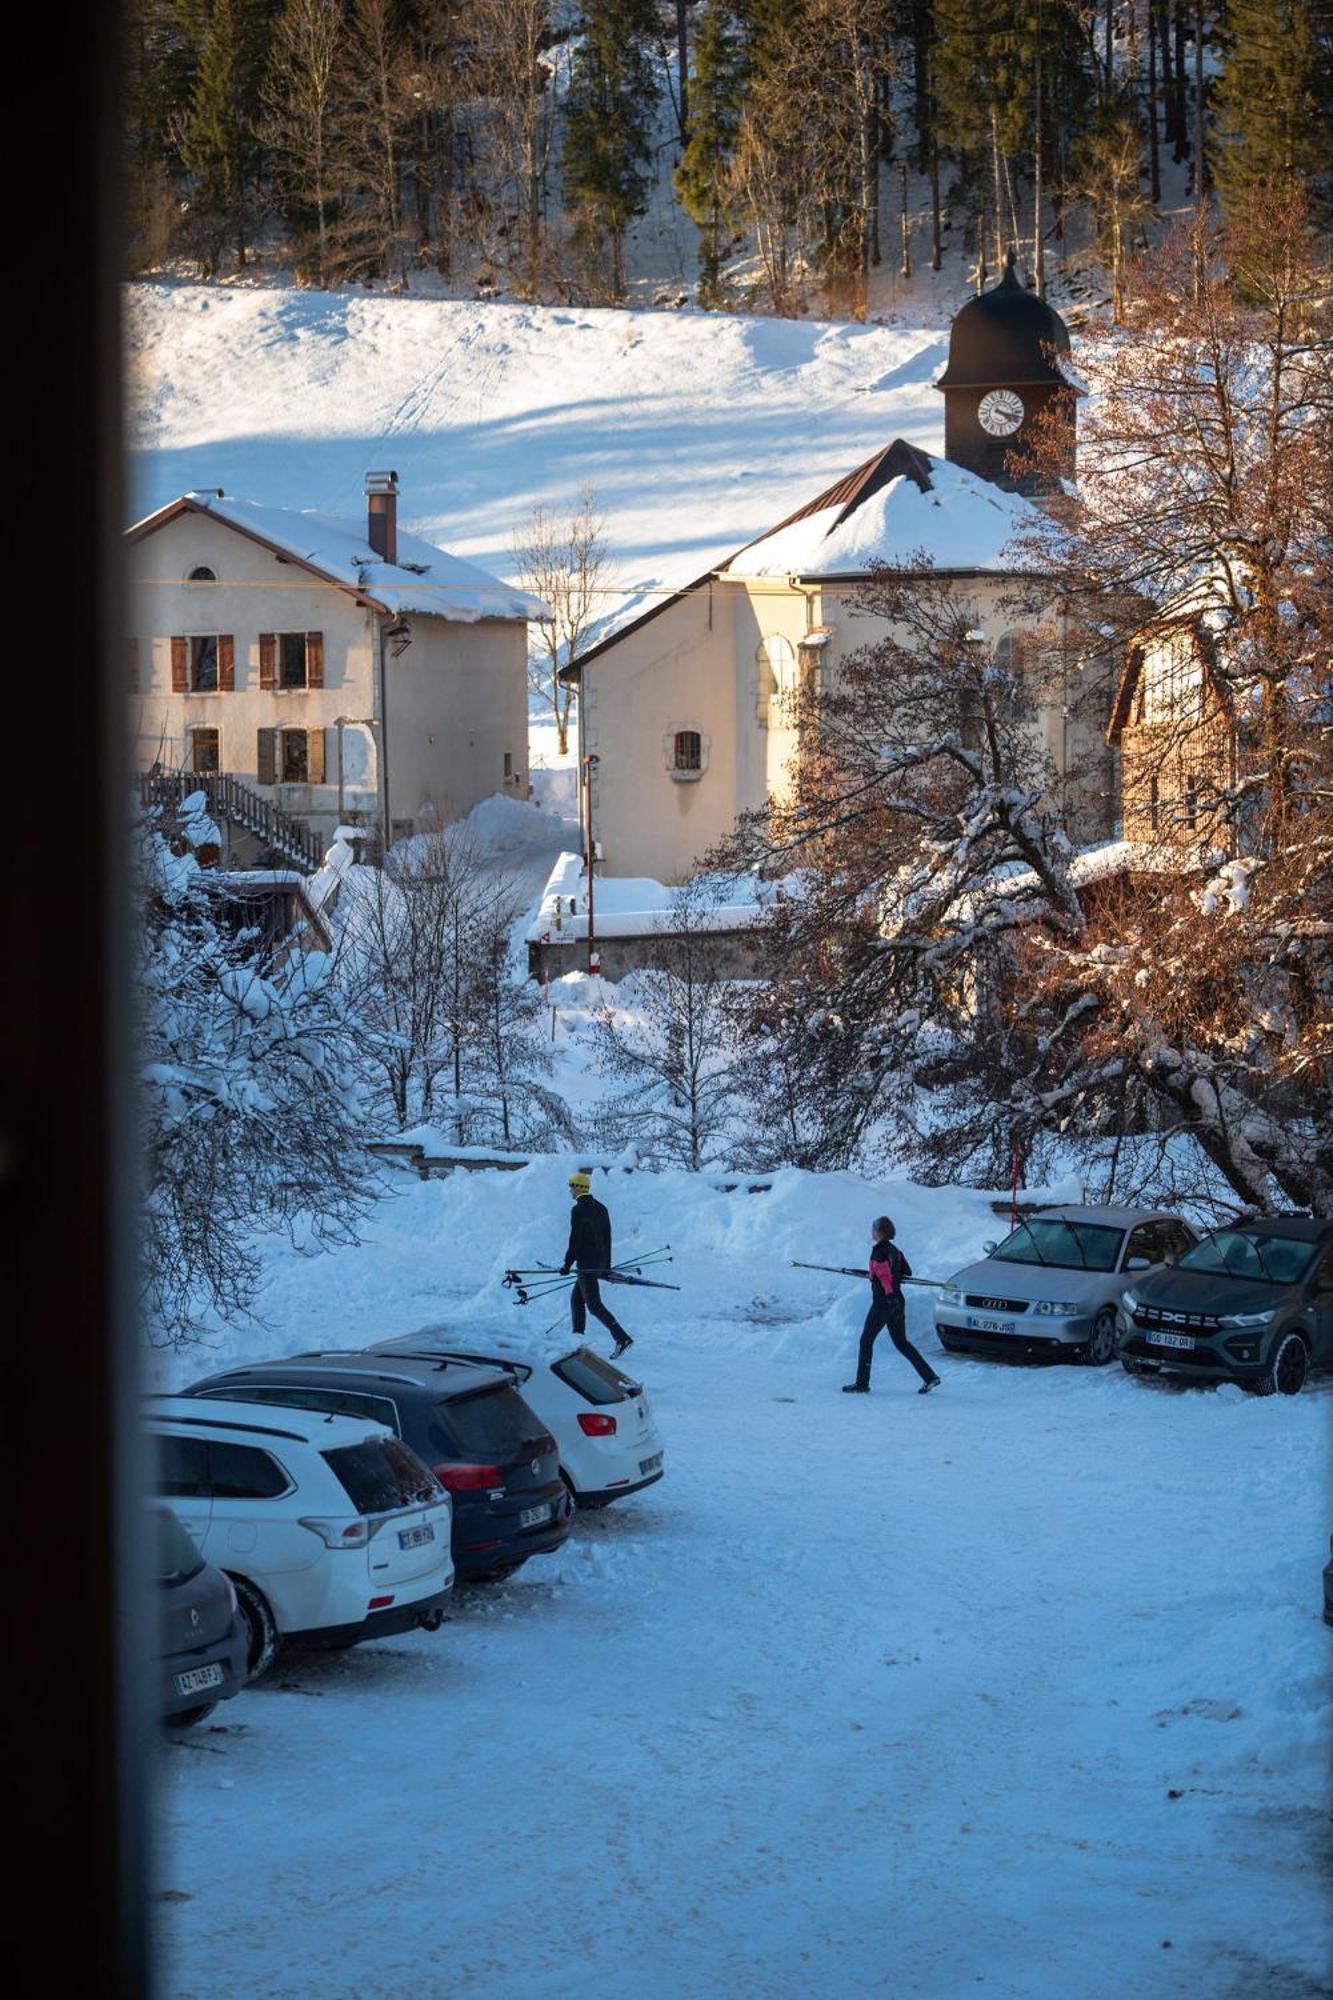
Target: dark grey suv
{"x":201,"y":1636}
{"x":469,"y":1424}
{"x":1252,"y":1303}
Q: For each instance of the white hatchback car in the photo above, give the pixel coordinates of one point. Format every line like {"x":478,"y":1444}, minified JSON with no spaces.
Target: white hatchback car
{"x":598,"y":1415}
{"x":329,"y":1527}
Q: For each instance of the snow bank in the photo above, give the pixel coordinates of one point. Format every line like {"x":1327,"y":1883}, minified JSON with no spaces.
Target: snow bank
{"x":637,"y":906}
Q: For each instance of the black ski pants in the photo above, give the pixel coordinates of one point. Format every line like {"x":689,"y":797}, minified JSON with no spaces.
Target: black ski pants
{"x":890,"y":1313}
{"x":585,"y":1298}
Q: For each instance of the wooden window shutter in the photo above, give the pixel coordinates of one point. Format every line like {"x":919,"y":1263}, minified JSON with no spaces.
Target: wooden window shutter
{"x":268,"y":653}
{"x":132,"y":666}
{"x":267,"y":757}
{"x":180,"y":665}
{"x":226,"y":662}
{"x":315,"y":750}
{"x":314,"y":659}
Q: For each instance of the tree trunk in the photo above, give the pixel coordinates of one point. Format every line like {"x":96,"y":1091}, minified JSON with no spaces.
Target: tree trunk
{"x":1182,"y":147}
{"x":1200,"y":151}
{"x":1154,"y":156}
{"x":999,"y":186}
{"x":683,"y":63}
{"x":936,"y":244}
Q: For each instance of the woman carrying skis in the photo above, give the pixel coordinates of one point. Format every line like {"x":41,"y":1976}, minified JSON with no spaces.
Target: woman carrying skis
{"x":888,"y":1269}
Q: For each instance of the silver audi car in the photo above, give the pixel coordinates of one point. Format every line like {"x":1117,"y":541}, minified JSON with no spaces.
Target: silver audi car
{"x":1052,"y":1286}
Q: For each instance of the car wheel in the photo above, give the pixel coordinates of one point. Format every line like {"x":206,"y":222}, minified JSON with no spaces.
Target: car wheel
{"x":187,"y":1717}
{"x":1101,"y":1341}
{"x":1286,"y":1371}
{"x":261,"y":1630}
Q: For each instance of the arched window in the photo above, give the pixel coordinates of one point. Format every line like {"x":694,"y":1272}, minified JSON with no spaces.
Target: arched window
{"x":775,"y":664}
{"x":203,"y":574}
{"x":687,"y":752}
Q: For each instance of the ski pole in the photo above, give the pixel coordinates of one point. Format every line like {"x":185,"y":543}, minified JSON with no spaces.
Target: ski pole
{"x":851,"y":1271}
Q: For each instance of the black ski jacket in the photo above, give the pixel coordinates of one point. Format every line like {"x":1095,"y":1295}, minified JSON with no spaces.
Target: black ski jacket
{"x":888,"y":1268}
{"x":589,"y":1236}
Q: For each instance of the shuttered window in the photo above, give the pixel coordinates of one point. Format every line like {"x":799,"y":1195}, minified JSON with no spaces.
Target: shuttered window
{"x":291,"y":757}
{"x":205,"y":751}
{"x":203,"y":663}
{"x":295,"y":757}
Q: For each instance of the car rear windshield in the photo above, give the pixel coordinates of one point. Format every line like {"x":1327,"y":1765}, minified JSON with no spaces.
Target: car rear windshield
{"x":382,"y":1474}
{"x":1072,"y":1246}
{"x":177,"y":1557}
{"x":1249,"y":1253}
{"x":491,"y":1426}
{"x":590,"y":1377}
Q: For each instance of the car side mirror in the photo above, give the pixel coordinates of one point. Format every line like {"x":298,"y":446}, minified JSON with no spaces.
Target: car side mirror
{"x":1139,"y":1263}
{"x":988,"y":1247}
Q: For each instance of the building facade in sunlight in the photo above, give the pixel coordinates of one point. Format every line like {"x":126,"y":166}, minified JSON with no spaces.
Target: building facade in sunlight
{"x":685,"y":712}
{"x":309,"y":671}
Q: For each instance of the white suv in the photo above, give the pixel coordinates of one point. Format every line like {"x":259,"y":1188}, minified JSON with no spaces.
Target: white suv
{"x":329,"y":1527}
{"x":598,"y":1415}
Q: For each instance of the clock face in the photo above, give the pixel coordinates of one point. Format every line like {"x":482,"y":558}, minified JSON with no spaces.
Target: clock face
{"x":1001,"y":412}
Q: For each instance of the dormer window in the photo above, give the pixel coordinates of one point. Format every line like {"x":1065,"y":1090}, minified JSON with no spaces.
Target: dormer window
{"x":685,"y":749}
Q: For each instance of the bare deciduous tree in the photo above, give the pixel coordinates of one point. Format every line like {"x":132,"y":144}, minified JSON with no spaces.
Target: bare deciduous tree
{"x":563,"y":560}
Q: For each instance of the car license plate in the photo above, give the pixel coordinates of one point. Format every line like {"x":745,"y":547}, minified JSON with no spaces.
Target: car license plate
{"x":415,"y":1538}
{"x":650,"y":1464}
{"x":1155,"y":1339}
{"x":198,"y":1679}
{"x":530,"y":1516}
{"x":991,"y":1325}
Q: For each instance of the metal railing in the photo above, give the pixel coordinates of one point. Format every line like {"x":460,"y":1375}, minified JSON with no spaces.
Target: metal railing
{"x":240,"y":805}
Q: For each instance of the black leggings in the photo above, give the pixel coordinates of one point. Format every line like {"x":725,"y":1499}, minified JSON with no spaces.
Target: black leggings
{"x":588,"y":1293}
{"x":892,"y":1315}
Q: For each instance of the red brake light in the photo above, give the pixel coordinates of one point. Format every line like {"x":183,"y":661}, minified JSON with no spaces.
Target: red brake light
{"x":594,"y":1425}
{"x":468,"y":1478}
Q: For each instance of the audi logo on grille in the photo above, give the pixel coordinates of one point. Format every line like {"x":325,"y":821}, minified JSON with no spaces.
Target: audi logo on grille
{"x":996,"y":1305}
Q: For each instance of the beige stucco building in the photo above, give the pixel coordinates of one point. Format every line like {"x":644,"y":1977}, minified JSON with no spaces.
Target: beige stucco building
{"x":336,"y":670}
{"x":682,"y":713}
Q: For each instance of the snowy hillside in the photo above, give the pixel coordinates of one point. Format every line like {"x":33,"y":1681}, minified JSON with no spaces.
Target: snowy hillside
{"x":697,"y":431}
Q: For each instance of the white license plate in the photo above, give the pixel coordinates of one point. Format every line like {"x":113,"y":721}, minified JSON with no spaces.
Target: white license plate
{"x":415,"y":1538}
{"x":1155,"y":1339}
{"x":198,"y":1679}
{"x":650,"y":1464}
{"x":991,"y":1325}
{"x":530,"y":1516}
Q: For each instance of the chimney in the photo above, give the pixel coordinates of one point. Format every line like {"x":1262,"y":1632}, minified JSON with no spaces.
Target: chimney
{"x":382,"y":514}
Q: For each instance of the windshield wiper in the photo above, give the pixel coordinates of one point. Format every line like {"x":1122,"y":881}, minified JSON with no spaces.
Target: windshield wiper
{"x":1077,"y":1241}
{"x":1033,"y":1241}
{"x":1263,"y":1261}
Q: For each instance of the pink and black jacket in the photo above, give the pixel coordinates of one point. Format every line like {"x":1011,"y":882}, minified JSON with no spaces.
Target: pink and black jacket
{"x":888,"y":1268}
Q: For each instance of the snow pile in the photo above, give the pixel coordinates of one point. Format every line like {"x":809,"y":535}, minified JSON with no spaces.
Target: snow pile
{"x":961,"y":522}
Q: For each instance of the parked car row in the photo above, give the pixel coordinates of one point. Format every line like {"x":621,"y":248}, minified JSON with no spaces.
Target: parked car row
{"x":330,"y":1498}
{"x":1250,"y":1303}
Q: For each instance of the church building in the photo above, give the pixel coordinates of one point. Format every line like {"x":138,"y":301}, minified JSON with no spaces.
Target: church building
{"x":683,"y":724}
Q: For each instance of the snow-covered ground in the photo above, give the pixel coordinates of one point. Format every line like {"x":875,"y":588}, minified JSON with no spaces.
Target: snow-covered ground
{"x":1016,"y":1689}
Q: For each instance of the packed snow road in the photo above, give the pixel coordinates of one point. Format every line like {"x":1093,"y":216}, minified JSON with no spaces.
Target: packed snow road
{"x":1016,"y":1689}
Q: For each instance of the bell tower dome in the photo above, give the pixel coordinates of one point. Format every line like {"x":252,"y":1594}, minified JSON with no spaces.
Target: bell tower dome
{"x":1007,"y":348}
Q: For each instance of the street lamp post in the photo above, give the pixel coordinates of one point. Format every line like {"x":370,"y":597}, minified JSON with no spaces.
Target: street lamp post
{"x":590,"y":763}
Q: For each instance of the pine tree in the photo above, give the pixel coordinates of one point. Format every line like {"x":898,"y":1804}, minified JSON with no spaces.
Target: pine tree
{"x":613,"y":93}
{"x":220,"y":147}
{"x":703,"y":180}
{"x":1274,"y":122}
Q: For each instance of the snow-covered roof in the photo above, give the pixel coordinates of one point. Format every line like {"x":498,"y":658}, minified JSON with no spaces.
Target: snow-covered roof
{"x":899,"y":504}
{"x":423,"y":582}
{"x":637,"y":906}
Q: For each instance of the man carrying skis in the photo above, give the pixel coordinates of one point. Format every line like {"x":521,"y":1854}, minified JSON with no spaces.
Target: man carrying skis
{"x":589,"y":1253}
{"x":888,"y":1269}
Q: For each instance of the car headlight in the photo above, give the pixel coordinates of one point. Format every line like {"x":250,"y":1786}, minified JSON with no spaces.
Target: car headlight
{"x":950,"y":1295}
{"x":1058,"y":1308}
{"x":1129,"y":1300}
{"x":1249,"y":1319}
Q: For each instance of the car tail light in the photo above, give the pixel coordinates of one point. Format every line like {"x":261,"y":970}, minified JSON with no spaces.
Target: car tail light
{"x":340,"y":1534}
{"x":594,"y":1425}
{"x":468,"y":1478}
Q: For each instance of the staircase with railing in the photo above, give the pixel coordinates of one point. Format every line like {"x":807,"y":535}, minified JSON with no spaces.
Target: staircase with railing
{"x":239,"y":805}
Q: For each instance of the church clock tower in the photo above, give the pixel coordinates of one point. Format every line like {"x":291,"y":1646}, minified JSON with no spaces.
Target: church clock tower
{"x":1006,"y":350}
